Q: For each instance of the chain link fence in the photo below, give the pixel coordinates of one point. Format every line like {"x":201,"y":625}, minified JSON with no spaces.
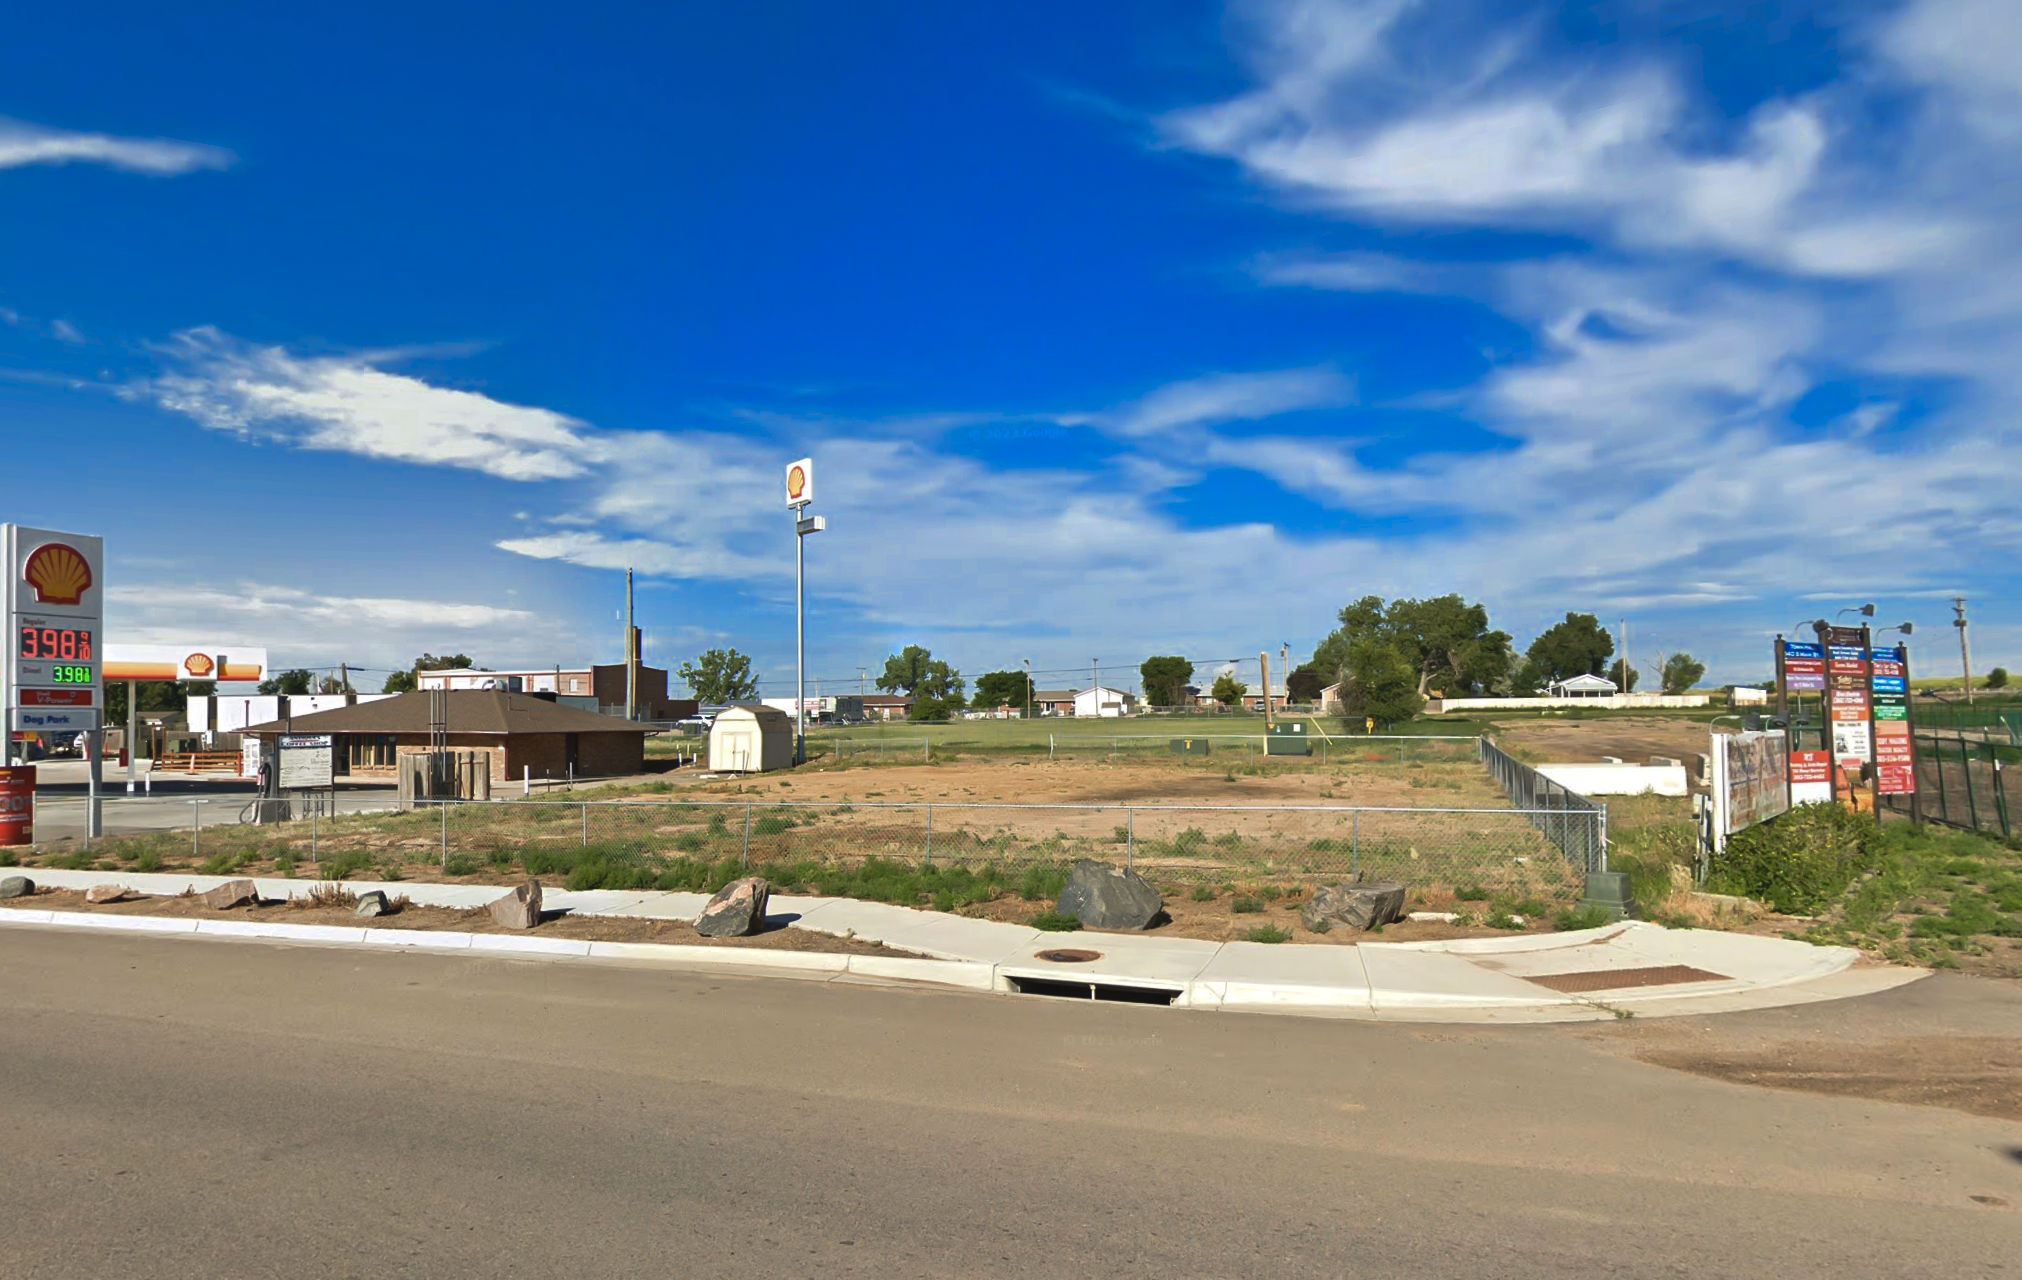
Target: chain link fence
{"x":1399,"y":749}
{"x":1966,"y":780}
{"x":1575,"y":825}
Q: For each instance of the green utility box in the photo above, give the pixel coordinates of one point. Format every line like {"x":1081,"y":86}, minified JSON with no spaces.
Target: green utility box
{"x":1189,"y":746}
{"x":1288,"y":738}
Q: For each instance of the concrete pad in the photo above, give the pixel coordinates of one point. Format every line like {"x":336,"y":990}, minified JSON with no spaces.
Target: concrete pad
{"x":1166,"y":968}
{"x":417,"y":940}
{"x":508,"y":944}
{"x":280,"y":932}
{"x":954,"y":938}
{"x":876,"y":921}
{"x":657,"y":906}
{"x":1514,"y":943}
{"x":589,"y":902}
{"x":1400,"y":978}
{"x":1261,"y":974}
{"x":946,"y":973}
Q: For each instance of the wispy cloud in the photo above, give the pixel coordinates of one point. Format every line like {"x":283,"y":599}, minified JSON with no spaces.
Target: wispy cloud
{"x":23,"y":144}
{"x":351,"y":404}
{"x":1220,"y":398}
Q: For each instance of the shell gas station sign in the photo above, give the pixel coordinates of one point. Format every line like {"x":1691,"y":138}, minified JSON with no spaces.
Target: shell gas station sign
{"x":52,"y":679}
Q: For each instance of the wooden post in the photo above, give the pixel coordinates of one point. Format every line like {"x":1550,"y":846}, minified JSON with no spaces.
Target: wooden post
{"x":1264,"y":668}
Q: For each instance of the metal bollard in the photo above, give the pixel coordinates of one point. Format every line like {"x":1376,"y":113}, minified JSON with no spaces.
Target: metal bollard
{"x":586,"y":825}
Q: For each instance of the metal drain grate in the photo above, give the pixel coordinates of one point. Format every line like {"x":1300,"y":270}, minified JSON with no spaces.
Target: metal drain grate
{"x":1617,"y":979}
{"x":1069,"y":955}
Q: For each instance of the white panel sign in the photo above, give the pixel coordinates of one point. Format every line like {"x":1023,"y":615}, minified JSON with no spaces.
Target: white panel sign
{"x":306,"y":761}
{"x":204,"y":660}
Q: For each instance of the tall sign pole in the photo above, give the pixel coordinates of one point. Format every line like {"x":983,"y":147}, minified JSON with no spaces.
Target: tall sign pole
{"x":1965,"y":648}
{"x":799,"y":493}
{"x":53,"y":679}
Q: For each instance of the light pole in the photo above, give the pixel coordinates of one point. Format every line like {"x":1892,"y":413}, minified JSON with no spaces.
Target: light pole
{"x":1028,"y":687}
{"x":800,"y":492}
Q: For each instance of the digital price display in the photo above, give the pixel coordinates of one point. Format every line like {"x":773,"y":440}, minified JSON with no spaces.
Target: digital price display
{"x":70,"y":675}
{"x":58,"y":644}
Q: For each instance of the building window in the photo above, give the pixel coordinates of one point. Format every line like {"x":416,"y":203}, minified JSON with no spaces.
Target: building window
{"x":370,"y":751}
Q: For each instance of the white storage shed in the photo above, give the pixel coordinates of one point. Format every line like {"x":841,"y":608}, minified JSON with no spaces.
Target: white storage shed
{"x":751,"y":740}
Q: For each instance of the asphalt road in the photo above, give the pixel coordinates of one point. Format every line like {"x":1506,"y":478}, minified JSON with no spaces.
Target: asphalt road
{"x":177,"y":1108}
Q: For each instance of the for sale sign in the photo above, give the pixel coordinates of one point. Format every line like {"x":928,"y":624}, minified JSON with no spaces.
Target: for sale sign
{"x":1810,"y":777}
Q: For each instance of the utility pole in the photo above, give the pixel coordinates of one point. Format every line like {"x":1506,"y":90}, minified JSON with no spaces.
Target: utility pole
{"x":860,"y":682}
{"x":1965,"y":647}
{"x":631,"y":655}
{"x":1264,"y":670}
{"x":1028,"y":688}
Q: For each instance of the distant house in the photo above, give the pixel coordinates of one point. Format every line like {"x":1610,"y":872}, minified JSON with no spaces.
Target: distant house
{"x":1101,"y":700}
{"x":1330,"y":700}
{"x":1582,"y":687}
{"x":1053,"y":702}
{"x":1255,"y":701}
{"x":886,"y":706}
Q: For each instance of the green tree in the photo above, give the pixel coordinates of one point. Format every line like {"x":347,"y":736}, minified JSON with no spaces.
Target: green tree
{"x":719,"y":676}
{"x":152,"y":695}
{"x":404,"y":682}
{"x":1379,"y":683}
{"x":916,"y":671}
{"x":1525,"y":679}
{"x":293,"y":682}
{"x":1163,"y":678}
{"x":1997,"y":678}
{"x":999,"y":689}
{"x":1305,"y":684}
{"x":1681,"y":672}
{"x":1579,"y":646}
{"x":1625,"y":684}
{"x":1446,"y":640}
{"x":1228,"y":690}
{"x":931,"y":710}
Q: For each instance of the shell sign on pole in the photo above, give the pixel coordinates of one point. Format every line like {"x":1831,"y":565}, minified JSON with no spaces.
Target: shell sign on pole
{"x":800,"y":483}
{"x":206,"y":660}
{"x":52,"y":680}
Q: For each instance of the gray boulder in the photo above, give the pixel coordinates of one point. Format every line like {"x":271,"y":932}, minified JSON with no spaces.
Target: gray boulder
{"x":1355,"y":906}
{"x":1105,"y":897}
{"x":16,"y":887}
{"x":232,"y":893}
{"x":371,"y":905}
{"x":737,"y":910}
{"x":520,"y":909}
{"x":99,"y":894}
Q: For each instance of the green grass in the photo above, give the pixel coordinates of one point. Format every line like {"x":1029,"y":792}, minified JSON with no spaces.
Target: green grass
{"x":1269,"y":933}
{"x":147,"y":862}
{"x":1054,"y":922}
{"x":1573,"y":918}
{"x":1203,"y":893}
{"x":1246,"y":906}
{"x":1934,"y":897}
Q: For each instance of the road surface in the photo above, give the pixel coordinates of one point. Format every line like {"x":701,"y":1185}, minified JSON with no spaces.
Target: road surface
{"x":179,"y":1108}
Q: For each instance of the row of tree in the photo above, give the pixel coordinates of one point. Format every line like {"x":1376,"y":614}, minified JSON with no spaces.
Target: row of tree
{"x":1389,"y":656}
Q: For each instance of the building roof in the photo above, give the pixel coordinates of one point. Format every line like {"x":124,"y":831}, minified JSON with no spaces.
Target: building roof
{"x":884,"y":699}
{"x":1054,"y":695}
{"x":1586,"y":682}
{"x":470,"y":711}
{"x":1103,"y":688}
{"x":766,"y":717}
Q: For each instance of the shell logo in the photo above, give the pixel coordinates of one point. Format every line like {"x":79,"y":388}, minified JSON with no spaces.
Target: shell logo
{"x":796,"y":482}
{"x":59,"y":573}
{"x":198,"y":665}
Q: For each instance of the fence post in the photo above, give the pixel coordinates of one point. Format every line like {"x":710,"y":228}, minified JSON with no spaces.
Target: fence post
{"x":586,"y":824}
{"x":2000,"y":798}
{"x":747,"y":835}
{"x":445,"y":835}
{"x":1049,"y":746}
{"x":1972,"y":801}
{"x":196,"y":831}
{"x":1129,"y":839}
{"x":312,"y":834}
{"x":1355,"y":829}
{"x":930,"y":835}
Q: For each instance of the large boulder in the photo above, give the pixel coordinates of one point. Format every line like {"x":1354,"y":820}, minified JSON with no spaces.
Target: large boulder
{"x":16,"y":887}
{"x":737,"y":910}
{"x":1105,"y":897}
{"x":372,"y":904}
{"x":100,"y":894}
{"x":1360,"y":906}
{"x":232,"y":893}
{"x":520,"y":909}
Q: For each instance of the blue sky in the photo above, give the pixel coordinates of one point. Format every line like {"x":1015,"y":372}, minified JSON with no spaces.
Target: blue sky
{"x":1114,"y":330}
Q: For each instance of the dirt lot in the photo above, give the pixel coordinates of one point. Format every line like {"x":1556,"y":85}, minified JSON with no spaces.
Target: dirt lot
{"x":556,"y":924}
{"x":1587,"y":741}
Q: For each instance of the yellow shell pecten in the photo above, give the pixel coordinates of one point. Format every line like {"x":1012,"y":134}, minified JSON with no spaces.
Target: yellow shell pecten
{"x":59,"y":574}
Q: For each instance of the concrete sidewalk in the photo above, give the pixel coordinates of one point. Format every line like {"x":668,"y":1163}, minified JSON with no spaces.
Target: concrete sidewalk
{"x":1628,"y":969}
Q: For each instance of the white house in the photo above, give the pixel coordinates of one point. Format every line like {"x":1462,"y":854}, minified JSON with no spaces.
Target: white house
{"x":1103,"y":701}
{"x":1330,"y":700}
{"x":1582,"y":687}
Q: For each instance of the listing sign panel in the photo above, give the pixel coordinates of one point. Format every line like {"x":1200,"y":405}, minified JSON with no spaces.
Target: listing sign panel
{"x":1810,"y":777}
{"x":1803,"y":667}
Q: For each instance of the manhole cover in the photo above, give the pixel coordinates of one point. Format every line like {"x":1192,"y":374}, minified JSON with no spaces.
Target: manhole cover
{"x":1068,"y":955}
{"x":1617,"y":979}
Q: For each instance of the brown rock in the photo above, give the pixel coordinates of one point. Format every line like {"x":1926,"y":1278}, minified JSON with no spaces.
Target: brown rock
{"x":100,"y":894}
{"x":230,"y":894}
{"x":520,"y":909}
{"x":737,"y":910}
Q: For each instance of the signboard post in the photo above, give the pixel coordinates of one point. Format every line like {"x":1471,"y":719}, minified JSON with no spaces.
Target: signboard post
{"x":1849,"y":712}
{"x":1894,"y":743}
{"x":51,"y":680}
{"x":306,"y":762}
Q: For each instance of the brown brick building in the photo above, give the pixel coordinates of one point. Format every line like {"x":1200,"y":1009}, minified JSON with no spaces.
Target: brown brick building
{"x":524,"y":734}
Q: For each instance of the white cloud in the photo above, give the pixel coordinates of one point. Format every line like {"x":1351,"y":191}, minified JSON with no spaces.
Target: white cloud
{"x":352,"y":405}
{"x":24,"y":144}
{"x":1221,"y":398}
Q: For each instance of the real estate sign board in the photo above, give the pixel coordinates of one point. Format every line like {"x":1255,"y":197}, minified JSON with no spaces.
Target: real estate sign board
{"x":1751,"y":779}
{"x":306,"y":761}
{"x":1895,"y":753}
